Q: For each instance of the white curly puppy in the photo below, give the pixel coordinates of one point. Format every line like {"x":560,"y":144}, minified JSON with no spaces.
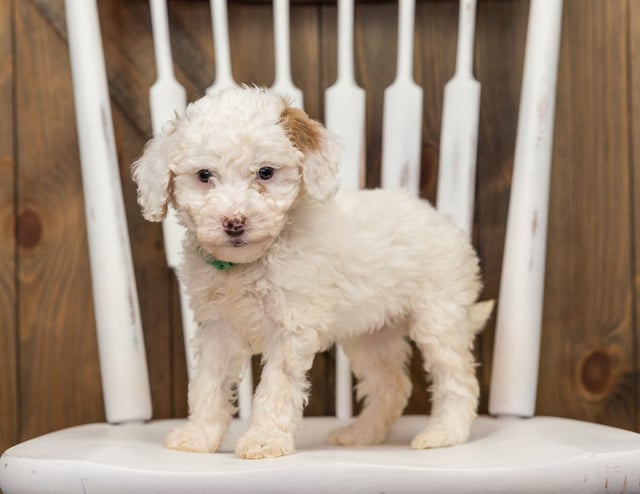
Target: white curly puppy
{"x":277,"y":262}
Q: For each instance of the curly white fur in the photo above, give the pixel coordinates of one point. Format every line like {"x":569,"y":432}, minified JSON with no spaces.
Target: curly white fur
{"x":312,"y":266}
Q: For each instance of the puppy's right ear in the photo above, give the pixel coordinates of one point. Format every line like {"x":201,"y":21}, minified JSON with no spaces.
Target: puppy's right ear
{"x":152,"y":175}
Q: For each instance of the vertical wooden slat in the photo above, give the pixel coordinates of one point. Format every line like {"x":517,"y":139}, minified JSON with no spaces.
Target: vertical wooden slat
{"x":128,"y":47}
{"x":520,"y":304}
{"x":588,"y":366}
{"x":634,"y":130}
{"x":500,"y":41}
{"x":328,"y":71}
{"x":59,"y":376}
{"x":123,"y":362}
{"x":131,"y":71}
{"x":375,"y":37}
{"x":8,"y":377}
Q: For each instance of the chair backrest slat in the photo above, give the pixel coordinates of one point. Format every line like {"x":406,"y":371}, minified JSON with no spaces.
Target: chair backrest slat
{"x":166,"y":97}
{"x":283,"y":82}
{"x":459,"y":130}
{"x":345,"y":116}
{"x":402,"y":112}
{"x":345,"y":104}
{"x":517,"y":342}
{"x":125,"y":381}
{"x":220,"y":27}
{"x":224,"y":78}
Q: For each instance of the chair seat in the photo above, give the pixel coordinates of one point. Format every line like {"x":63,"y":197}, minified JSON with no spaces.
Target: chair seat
{"x":542,"y":454}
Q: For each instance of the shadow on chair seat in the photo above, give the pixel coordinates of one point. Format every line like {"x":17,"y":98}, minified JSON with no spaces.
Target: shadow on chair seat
{"x":540,"y":454}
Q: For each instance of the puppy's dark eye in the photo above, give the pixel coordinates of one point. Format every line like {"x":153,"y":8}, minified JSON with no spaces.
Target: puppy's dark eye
{"x":204,"y":175}
{"x":265,"y":173}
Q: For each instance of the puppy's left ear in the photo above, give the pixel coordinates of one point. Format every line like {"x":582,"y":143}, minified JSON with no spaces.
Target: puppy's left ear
{"x":320,"y":149}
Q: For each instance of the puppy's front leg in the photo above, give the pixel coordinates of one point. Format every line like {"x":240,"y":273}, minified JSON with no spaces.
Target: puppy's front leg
{"x":211,"y":407}
{"x":279,"y":398}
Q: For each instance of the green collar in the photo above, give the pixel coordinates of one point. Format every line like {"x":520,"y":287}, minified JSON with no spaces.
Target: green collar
{"x":220,"y":265}
{"x":211,"y":261}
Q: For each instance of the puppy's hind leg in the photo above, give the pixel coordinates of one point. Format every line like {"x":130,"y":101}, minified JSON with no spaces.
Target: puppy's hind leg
{"x":379,"y":362}
{"x":444,"y":332}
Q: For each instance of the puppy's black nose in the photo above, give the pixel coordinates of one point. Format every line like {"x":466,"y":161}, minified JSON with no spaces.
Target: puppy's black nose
{"x":234,"y":226}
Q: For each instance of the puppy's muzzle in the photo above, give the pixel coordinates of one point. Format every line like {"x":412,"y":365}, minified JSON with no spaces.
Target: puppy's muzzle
{"x":234,"y":226}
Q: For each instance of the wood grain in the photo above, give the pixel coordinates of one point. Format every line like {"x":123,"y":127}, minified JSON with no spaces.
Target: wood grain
{"x":9,"y":407}
{"x":634,"y":131}
{"x":127,"y":43}
{"x":59,"y":378}
{"x":374,"y":66}
{"x":499,"y":55}
{"x":588,"y":367}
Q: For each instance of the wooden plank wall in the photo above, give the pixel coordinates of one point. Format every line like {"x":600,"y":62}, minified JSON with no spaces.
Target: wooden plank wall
{"x":634,"y":106}
{"x":8,"y":350}
{"x":590,"y":361}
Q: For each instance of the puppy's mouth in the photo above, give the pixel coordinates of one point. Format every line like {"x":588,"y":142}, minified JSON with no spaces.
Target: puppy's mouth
{"x":237,"y":250}
{"x":237,"y":242}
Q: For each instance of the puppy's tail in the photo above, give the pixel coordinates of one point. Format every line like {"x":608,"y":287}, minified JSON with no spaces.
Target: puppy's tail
{"x":479,"y":313}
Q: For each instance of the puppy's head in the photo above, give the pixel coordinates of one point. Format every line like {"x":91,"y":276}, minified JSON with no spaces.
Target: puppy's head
{"x":233,"y":166}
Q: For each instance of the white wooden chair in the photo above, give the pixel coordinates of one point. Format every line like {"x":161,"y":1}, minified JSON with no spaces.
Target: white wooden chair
{"x":510,"y":451}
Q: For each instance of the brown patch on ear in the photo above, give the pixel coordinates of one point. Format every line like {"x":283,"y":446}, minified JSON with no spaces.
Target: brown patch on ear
{"x":170,"y":191}
{"x":303,"y":132}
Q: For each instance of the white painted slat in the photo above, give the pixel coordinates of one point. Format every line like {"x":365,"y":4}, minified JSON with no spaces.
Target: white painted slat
{"x":220,"y":26}
{"x":123,"y":365}
{"x":402,"y":113}
{"x":283,"y":82}
{"x":345,"y":104}
{"x":459,"y":133}
{"x":167,"y":97}
{"x":345,"y":116}
{"x":517,"y":342}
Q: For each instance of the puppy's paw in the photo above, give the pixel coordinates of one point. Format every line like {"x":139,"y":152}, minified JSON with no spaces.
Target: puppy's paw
{"x":256,"y":445}
{"x":440,"y":435}
{"x":357,"y":434}
{"x":193,"y":438}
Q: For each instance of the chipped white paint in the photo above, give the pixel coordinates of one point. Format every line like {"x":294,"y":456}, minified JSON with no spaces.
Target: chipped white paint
{"x":283,"y":82}
{"x":402,"y":112}
{"x":517,"y":342}
{"x":459,"y":133}
{"x":123,"y":363}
